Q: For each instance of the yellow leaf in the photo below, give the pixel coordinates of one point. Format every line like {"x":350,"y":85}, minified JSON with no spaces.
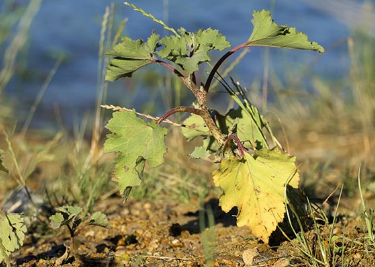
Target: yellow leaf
{"x":255,"y":185}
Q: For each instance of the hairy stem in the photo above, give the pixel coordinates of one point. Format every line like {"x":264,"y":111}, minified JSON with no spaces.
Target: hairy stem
{"x":206,"y":116}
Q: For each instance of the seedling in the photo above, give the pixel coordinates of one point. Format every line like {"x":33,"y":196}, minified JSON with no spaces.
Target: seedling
{"x":69,"y":216}
{"x":253,"y":171}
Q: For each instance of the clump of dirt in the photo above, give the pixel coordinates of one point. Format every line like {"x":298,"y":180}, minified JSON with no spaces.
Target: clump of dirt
{"x":144,"y":233}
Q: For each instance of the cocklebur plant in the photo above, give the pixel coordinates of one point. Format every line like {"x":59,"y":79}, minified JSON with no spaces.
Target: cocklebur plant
{"x":254,"y":169}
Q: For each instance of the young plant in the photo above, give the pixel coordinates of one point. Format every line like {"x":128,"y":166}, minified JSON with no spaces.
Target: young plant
{"x":69,"y":216}
{"x":252,"y":172}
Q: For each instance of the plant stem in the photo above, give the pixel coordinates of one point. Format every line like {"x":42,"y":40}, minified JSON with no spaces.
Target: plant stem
{"x":206,"y":116}
{"x":238,"y":142}
{"x":175,"y":71}
{"x":200,"y":95}
{"x":218,"y":64}
{"x":179,"y":109}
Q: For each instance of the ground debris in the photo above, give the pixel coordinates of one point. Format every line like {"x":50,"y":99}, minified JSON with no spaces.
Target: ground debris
{"x":168,"y":234}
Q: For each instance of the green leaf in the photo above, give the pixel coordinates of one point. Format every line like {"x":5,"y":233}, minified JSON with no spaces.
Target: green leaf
{"x":195,"y":126}
{"x":12,"y":234}
{"x":191,"y":64}
{"x":200,"y":152}
{"x":134,"y":141}
{"x":56,"y":220}
{"x":65,"y":216}
{"x":256,"y":185}
{"x":135,"y":49}
{"x":249,"y":126}
{"x":174,"y":48}
{"x":70,"y":211}
{"x":130,"y":55}
{"x":210,"y":39}
{"x":190,"y":49}
{"x":99,"y":219}
{"x":2,"y":168}
{"x":267,"y":33}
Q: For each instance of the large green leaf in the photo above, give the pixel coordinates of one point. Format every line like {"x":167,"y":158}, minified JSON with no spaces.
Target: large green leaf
{"x":134,"y":141}
{"x":256,"y":185}
{"x":267,"y":33}
{"x":130,"y":55}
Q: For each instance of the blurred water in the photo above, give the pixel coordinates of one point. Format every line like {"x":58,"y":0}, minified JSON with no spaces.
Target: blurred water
{"x":72,"y":28}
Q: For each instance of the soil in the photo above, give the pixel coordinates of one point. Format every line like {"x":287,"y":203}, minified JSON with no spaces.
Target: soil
{"x":144,"y":233}
{"x":170,"y":233}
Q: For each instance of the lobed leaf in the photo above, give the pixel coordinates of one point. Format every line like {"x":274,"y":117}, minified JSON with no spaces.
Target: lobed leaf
{"x":134,"y":141}
{"x":12,"y":234}
{"x":268,"y":33}
{"x":99,"y":219}
{"x":174,"y":47}
{"x":129,"y":56}
{"x":210,"y":39}
{"x":256,"y":184}
{"x":66,"y":214}
{"x":190,"y":49}
{"x":56,"y":220}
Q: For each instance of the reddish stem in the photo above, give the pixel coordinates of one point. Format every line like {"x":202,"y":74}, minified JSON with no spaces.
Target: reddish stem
{"x":218,"y":64}
{"x":179,"y":109}
{"x":238,"y":142}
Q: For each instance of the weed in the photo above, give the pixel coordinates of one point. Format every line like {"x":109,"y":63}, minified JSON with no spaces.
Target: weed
{"x":69,"y":216}
{"x":237,"y":139}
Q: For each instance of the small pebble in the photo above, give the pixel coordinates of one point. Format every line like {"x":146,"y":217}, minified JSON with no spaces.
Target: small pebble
{"x":249,"y":255}
{"x":357,"y":256}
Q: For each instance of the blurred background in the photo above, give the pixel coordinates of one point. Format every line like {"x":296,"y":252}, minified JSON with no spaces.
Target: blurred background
{"x":62,"y":37}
